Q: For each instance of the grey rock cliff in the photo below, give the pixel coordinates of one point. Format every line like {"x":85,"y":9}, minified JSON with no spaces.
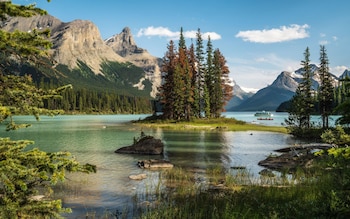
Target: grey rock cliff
{"x":124,"y":45}
{"x":72,"y":41}
{"x":80,"y":40}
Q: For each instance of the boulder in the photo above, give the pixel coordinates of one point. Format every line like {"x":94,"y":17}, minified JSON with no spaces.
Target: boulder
{"x":146,"y":145}
{"x":152,"y":163}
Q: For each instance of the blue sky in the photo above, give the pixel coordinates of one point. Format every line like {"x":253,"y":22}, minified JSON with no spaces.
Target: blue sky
{"x":259,"y":38}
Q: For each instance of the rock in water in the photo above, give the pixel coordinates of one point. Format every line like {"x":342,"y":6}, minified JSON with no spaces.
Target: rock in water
{"x":138,"y":176}
{"x":146,"y":145}
{"x":149,"y":164}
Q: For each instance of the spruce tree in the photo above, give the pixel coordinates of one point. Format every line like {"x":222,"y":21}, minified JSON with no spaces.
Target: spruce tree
{"x":344,"y":106}
{"x":326,"y":90}
{"x":208,"y":89}
{"x":223,"y":87}
{"x":27,"y":176}
{"x":185,"y":93}
{"x":302,"y":101}
{"x":217,"y":92}
{"x":194,"y":82}
{"x":200,"y":74}
{"x":166,"y":91}
{"x":306,"y":89}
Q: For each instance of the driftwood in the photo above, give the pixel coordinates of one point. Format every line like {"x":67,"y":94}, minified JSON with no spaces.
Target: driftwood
{"x":305,"y":147}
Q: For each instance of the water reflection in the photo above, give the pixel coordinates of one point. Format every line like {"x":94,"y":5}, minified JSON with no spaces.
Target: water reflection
{"x":94,"y":139}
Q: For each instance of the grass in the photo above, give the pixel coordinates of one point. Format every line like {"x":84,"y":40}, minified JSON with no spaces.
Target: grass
{"x":222,"y":195}
{"x":214,"y":124}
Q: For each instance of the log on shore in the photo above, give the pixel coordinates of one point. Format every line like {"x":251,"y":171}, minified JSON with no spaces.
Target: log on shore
{"x":311,"y":146}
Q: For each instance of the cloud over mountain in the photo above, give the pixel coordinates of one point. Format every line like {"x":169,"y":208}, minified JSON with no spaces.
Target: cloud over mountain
{"x":166,"y":32}
{"x":275,"y":35}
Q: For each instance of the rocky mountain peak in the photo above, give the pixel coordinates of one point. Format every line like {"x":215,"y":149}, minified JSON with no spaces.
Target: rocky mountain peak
{"x":124,"y":43}
{"x":286,"y":81}
{"x":81,"y":40}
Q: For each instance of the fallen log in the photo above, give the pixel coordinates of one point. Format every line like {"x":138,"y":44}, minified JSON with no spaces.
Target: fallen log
{"x":311,"y":146}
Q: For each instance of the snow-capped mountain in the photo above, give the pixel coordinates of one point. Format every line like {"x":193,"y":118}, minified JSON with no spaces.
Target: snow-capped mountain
{"x":281,"y":90}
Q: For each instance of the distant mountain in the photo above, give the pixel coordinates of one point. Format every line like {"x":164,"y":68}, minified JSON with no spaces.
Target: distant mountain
{"x":239,"y":95}
{"x":81,"y":57}
{"x":281,"y":90}
{"x":345,"y":74}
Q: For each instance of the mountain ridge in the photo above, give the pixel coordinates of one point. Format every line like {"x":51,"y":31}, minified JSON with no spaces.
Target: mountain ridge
{"x":281,"y":90}
{"x":78,"y":45}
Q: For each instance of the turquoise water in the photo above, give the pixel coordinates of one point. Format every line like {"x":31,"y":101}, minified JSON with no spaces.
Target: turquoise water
{"x":94,"y":138}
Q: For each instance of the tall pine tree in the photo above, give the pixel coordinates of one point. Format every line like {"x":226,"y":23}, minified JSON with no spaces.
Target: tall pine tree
{"x":326,"y":90}
{"x":302,"y":101}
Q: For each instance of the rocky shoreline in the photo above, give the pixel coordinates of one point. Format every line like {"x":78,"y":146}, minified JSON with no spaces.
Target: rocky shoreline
{"x":293,"y":157}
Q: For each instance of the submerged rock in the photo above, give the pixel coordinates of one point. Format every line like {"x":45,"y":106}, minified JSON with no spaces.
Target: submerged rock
{"x":138,"y":176}
{"x":146,"y":145}
{"x":147,"y":164}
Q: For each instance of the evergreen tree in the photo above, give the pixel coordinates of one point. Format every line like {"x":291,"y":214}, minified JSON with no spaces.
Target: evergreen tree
{"x":306,"y":89}
{"x":223,"y":87}
{"x":25,"y":174}
{"x":190,"y":86}
{"x":326,"y":90}
{"x":344,"y":106}
{"x":185,"y":79}
{"x":217,"y":92}
{"x":302,"y":101}
{"x":194,"y":82}
{"x":200,"y":74}
{"x":209,"y":85}
{"x":166,"y":91}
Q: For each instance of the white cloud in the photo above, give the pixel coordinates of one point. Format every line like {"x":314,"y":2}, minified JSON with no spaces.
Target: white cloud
{"x":259,"y":72}
{"x":275,"y":35}
{"x":334,"y":38}
{"x":323,"y":42}
{"x":167,"y":33}
{"x":338,"y":70}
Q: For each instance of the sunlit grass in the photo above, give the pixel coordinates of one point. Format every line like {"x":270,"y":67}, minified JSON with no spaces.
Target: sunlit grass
{"x":214,"y":124}
{"x":228,"y":195}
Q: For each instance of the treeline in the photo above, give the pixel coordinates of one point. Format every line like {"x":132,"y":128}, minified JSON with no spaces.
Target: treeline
{"x":82,"y":100}
{"x":327,"y":100}
{"x":195,"y":83}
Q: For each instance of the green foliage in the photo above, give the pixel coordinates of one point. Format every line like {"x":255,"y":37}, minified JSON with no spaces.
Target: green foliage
{"x":192,"y":88}
{"x":326,"y":89}
{"x":344,"y":102}
{"x":29,"y":174}
{"x":25,"y":174}
{"x":8,"y":9}
{"x":336,"y":136}
{"x":19,"y":96}
{"x":302,"y":102}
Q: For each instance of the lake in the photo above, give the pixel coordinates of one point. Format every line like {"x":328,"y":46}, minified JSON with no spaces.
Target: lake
{"x":94,"y":138}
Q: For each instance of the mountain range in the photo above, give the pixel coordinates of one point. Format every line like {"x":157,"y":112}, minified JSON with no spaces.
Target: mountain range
{"x":281,"y":90}
{"x":81,"y":57}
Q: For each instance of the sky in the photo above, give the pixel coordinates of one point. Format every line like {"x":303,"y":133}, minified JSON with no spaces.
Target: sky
{"x":258,"y":38}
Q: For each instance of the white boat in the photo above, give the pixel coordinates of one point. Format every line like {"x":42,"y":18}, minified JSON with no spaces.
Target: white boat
{"x":264,"y":115}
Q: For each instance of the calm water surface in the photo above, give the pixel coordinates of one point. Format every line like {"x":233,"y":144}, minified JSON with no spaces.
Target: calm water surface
{"x":94,"y":138}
